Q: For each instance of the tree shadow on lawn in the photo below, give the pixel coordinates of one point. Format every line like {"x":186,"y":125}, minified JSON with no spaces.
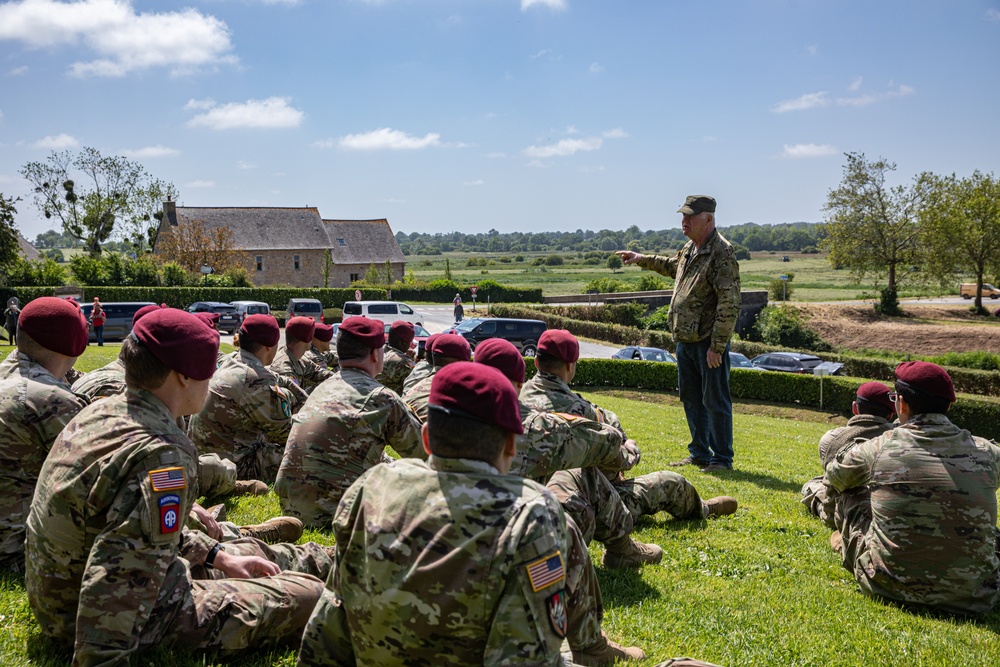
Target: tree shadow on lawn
{"x":758,"y":479}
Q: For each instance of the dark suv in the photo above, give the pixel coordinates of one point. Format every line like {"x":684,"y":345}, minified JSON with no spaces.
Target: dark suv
{"x":522,"y":333}
{"x":229,"y":319}
{"x":790,"y":362}
{"x":119,"y":318}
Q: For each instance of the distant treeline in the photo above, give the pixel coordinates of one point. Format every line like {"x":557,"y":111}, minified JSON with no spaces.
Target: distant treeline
{"x":786,"y":237}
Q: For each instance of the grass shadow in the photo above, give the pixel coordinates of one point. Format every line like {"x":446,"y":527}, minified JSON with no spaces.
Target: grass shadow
{"x":757,"y":479}
{"x":625,"y":587}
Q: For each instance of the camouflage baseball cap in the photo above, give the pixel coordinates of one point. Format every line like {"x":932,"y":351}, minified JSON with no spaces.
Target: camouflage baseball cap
{"x":696,"y":204}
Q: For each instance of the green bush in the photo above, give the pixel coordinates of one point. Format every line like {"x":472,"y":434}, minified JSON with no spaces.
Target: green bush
{"x":780,"y":290}
{"x":659,"y":319}
{"x":783,"y":325}
{"x":39,"y":272}
{"x":984,"y":361}
{"x":626,"y":314}
{"x":554,"y":260}
{"x":651,"y":282}
{"x":608,"y":285}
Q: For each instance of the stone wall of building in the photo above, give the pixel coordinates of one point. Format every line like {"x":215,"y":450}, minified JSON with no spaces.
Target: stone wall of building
{"x":278,"y":267}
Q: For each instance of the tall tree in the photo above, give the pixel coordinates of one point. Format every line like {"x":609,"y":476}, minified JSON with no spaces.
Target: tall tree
{"x":10,"y":248}
{"x":115,"y":195}
{"x":192,"y":245}
{"x":960,"y":227}
{"x":872,"y":228}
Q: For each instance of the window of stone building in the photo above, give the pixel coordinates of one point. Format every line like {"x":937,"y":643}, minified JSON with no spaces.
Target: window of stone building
{"x":295,"y":260}
{"x":260,"y":262}
{"x":355,"y":276}
{"x":342,"y":242}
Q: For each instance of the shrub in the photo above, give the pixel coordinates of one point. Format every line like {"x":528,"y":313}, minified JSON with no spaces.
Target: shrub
{"x":606,"y":285}
{"x":984,"y":361}
{"x":659,"y":319}
{"x":742,"y":252}
{"x":174,"y":275}
{"x":649,"y":282}
{"x":538,"y":261}
{"x":519,"y":258}
{"x":888,"y":303}
{"x":784,"y":326}
{"x":780,"y":290}
{"x":504,"y":260}
{"x":554,"y":260}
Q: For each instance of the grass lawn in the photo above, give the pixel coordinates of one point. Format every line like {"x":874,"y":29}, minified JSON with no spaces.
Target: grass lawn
{"x":761,"y":587}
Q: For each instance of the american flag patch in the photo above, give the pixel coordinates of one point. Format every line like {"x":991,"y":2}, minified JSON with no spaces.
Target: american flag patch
{"x":167,"y":479}
{"x":546,"y":571}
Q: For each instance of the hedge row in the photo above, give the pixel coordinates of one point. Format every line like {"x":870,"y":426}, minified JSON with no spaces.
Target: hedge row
{"x":611,"y":333}
{"x":980,"y":416}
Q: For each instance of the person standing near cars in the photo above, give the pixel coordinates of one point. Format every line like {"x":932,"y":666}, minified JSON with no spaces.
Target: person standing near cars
{"x":703,"y":314}
{"x":459,"y":309}
{"x":97,"y":320}
{"x":10,"y":319}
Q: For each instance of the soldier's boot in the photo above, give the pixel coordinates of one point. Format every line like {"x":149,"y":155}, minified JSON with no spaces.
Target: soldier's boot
{"x":606,"y":652}
{"x":218,"y":512}
{"x":249,"y":487}
{"x":837,"y":542}
{"x":689,"y":461}
{"x":626,"y":552}
{"x":275,"y":531}
{"x":720,"y":506}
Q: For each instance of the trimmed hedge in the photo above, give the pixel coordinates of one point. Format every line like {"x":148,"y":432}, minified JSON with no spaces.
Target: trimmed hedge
{"x":980,"y":416}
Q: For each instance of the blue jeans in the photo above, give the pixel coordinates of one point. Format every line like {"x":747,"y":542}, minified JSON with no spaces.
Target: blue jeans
{"x":708,"y":405}
{"x":99,"y":331}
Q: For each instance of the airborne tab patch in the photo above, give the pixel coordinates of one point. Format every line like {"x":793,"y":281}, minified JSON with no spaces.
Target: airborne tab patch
{"x":545,"y":572}
{"x":170,"y":507}
{"x":168,"y":479}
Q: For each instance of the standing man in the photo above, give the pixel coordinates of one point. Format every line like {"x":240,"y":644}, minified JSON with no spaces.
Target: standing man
{"x":97,"y":320}
{"x":398,"y":363}
{"x":703,"y":314}
{"x":10,"y":316}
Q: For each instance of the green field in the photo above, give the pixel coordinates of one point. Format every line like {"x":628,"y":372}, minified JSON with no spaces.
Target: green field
{"x":761,"y":587}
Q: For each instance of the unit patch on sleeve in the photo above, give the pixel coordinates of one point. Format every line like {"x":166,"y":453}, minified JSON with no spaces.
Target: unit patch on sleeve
{"x":547,"y":571}
{"x":170,"y":508}
{"x":167,"y":479}
{"x":557,"y":613}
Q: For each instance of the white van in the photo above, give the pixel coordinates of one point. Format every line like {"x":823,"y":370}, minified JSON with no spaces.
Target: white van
{"x":245,"y":308}
{"x":385,"y":311}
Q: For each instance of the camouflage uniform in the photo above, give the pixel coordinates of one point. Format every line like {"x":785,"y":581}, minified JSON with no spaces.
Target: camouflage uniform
{"x":644,"y":495}
{"x":444,"y":562}
{"x":108,"y":564}
{"x":815,"y":495}
{"x":419,"y":394}
{"x":927,"y":534}
{"x":217,"y":475}
{"x":246,"y":418}
{"x":421,"y":369}
{"x":395,"y":370}
{"x":34,"y":408}
{"x":340,"y":432}
{"x":703,"y":314}
{"x":306,"y":373}
{"x":328,"y":359}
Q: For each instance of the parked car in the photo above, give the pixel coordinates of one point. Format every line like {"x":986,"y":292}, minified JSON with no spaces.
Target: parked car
{"x":793,"y":362}
{"x":523,"y":334}
{"x":386,"y":311}
{"x":304,"y":308}
{"x":229,"y":320}
{"x":737,"y":360}
{"x":244,"y":308}
{"x":119,"y":318}
{"x":644,"y":354}
{"x":968,"y":291}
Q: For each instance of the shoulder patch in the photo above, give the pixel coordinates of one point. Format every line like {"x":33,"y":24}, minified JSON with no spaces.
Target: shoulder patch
{"x":168,"y":479}
{"x":556,"y":606}
{"x":546,"y":571}
{"x":284,"y":399}
{"x":170,"y":507}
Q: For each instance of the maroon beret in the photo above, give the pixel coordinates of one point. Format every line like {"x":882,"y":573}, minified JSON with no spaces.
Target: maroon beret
{"x":211,"y":319}
{"x":560,"y":344}
{"x":477,"y":391}
{"x":403,"y":331}
{"x":55,"y":324}
{"x":369,"y":331}
{"x":145,"y":310}
{"x":262,"y":329}
{"x":926,"y":377}
{"x":452,"y":346}
{"x":430,"y":341}
{"x":324,"y":332}
{"x":876,"y":392}
{"x":503,"y":356}
{"x":300,"y":328}
{"x":181,"y":341}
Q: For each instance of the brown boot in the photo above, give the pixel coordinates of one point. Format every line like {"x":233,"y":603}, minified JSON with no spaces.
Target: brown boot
{"x":276,"y":530}
{"x":837,"y":542}
{"x":607,"y":652}
{"x":720,"y":506}
{"x":626,"y":552}
{"x":249,"y":487}
{"x":218,"y":512}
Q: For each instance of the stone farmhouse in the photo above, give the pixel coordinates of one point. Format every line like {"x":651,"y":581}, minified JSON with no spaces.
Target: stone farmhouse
{"x":291,"y":246}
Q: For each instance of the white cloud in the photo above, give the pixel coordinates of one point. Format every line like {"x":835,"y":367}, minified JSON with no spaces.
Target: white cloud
{"x":855,"y":85}
{"x":707,"y":139}
{"x":538,"y":164}
{"x":596,"y":68}
{"x":812,"y":49}
{"x":122,"y":39}
{"x":617,"y":133}
{"x":18,"y":71}
{"x":807,"y":101}
{"x":571,"y":129}
{"x":808,"y":150}
{"x":553,"y":4}
{"x":387,"y":138}
{"x":858,"y":101}
{"x":871,"y":98}
{"x":59,"y":142}
{"x":243,"y":164}
{"x":1,"y":114}
{"x":453,"y":20}
{"x":151,"y":152}
{"x":200,"y":184}
{"x":540,"y":53}
{"x":270,"y":113}
{"x":199,"y":105}
{"x":993,"y":14}
{"x":475,"y":183}
{"x":564,"y":148}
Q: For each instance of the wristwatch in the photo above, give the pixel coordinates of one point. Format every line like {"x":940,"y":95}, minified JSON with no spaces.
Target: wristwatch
{"x":212,"y":553}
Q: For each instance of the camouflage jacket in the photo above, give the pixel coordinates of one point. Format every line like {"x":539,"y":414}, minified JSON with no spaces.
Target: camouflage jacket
{"x":246,"y":411}
{"x":858,"y":429}
{"x":707,"y":298}
{"x":328,"y":359}
{"x":341,"y":431}
{"x":421,"y":369}
{"x":443,"y":562}
{"x":304,"y":372}
{"x":932,"y":537}
{"x":395,"y":370}
{"x":549,"y":393}
{"x":104,"y":382}
{"x":34,"y":409}
{"x":419,"y":394}
{"x":105,"y":531}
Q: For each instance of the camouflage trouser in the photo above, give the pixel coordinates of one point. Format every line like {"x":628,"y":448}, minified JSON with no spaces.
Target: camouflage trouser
{"x":816,"y":498}
{"x":260,"y":461}
{"x":230,"y":615}
{"x":584,"y":608}
{"x":216,"y":475}
{"x":853,"y":516}
{"x":661,"y":491}
{"x":308,"y":558}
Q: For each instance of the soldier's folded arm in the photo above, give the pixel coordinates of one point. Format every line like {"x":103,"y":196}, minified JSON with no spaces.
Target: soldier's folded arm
{"x":852,"y":466}
{"x":403,"y":427}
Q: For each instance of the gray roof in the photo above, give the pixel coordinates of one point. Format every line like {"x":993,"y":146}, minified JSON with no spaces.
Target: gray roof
{"x":365,"y":241}
{"x":28,"y":250}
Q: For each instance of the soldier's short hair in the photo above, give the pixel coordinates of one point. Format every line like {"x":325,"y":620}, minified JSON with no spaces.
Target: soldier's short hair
{"x":548,"y":363}
{"x":866,"y":407}
{"x":921,"y":402}
{"x":250,"y":345}
{"x":351,"y":347}
{"x":29,"y":346}
{"x":142,"y":369}
{"x":396,"y":341}
{"x":455,"y":437}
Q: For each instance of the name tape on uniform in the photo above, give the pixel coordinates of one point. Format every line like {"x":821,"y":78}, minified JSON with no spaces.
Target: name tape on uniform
{"x":545,"y":572}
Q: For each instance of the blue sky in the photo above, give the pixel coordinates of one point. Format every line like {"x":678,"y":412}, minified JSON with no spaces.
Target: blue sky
{"x":517,"y":115}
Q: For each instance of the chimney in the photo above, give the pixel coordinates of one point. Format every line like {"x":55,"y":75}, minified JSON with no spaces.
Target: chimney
{"x":170,"y":212}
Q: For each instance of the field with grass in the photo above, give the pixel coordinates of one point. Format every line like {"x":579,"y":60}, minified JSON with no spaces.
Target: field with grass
{"x":761,"y":587}
{"x":814,"y":278}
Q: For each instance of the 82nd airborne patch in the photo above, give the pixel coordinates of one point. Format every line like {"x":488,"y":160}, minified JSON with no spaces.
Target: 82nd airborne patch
{"x":170,"y":508}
